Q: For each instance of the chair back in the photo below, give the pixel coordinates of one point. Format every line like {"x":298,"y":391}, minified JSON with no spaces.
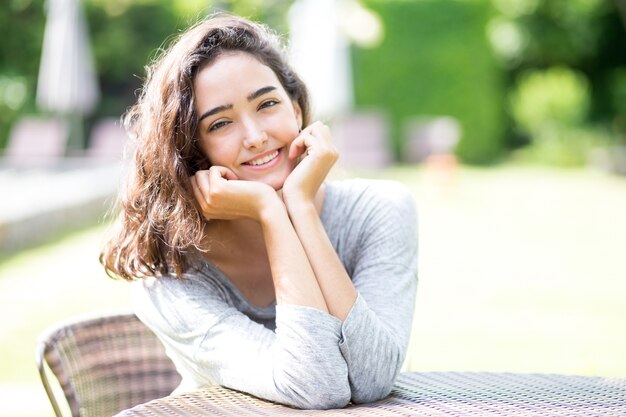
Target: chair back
{"x":36,"y":142}
{"x":363,"y":140}
{"x":107,"y":140}
{"x":104,"y":364}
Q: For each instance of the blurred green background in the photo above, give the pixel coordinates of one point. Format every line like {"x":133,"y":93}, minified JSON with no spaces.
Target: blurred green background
{"x":522,"y":243}
{"x":536,"y":80}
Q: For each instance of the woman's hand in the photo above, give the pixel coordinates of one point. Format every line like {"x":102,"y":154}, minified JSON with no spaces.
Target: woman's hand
{"x":314,"y":145}
{"x":221,"y":195}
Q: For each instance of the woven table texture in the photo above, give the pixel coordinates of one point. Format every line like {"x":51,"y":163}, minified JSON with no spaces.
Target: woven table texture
{"x":427,"y":394}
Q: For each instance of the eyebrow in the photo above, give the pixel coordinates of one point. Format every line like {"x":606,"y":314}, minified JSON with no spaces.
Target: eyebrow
{"x":258,"y":93}
{"x":214,"y":111}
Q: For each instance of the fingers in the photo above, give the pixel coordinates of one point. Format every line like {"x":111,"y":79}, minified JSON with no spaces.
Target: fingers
{"x":316,"y":139}
{"x":217,"y":172}
{"x":318,"y":129}
{"x":221,"y":196}
{"x":307,"y":138}
{"x":206,"y":182}
{"x":197,"y":191}
{"x":299,"y":145}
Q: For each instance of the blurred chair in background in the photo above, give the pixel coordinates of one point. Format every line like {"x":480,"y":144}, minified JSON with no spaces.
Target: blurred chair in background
{"x":430,"y":137}
{"x":36,"y":142}
{"x":363,"y":140}
{"x":431,"y":141}
{"x":107,"y":140}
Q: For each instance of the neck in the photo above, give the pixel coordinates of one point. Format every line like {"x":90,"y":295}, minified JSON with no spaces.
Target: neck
{"x":233,"y":229}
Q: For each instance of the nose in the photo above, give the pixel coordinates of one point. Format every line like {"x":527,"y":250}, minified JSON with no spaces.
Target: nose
{"x":255,"y":136}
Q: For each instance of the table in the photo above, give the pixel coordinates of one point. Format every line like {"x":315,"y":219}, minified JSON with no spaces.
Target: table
{"x":427,"y":394}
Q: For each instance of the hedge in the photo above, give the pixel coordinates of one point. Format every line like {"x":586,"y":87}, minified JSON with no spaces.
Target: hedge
{"x":435,"y":59}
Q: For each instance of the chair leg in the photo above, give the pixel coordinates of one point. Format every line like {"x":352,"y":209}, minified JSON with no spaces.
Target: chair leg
{"x":41,"y":366}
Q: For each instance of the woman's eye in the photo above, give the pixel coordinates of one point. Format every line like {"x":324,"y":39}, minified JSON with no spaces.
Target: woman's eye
{"x":217,"y":125}
{"x":268,"y":103}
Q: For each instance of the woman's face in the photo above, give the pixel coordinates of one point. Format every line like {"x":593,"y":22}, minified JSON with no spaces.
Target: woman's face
{"x":246,"y":118}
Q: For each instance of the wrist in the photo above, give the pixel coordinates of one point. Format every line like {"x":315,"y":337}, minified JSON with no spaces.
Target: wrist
{"x":295,"y":196}
{"x":272,"y":209}
{"x":298,"y":207}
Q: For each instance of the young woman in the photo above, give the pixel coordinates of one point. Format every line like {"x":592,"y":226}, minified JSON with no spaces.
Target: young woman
{"x":255,"y":272}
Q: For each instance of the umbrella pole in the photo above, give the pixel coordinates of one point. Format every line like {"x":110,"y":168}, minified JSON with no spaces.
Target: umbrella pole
{"x":76,"y":139}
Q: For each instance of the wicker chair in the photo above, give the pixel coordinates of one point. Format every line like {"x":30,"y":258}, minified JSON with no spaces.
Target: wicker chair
{"x":104,"y":364}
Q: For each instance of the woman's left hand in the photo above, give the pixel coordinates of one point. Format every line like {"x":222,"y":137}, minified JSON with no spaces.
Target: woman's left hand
{"x":314,"y":145}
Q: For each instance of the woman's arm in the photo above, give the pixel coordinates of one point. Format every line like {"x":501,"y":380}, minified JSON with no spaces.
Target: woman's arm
{"x":334,"y":282}
{"x":294,"y":280}
{"x":376,"y":327}
{"x":299,"y":193}
{"x":221,"y":196}
{"x":211,"y":342}
{"x":381,"y":240}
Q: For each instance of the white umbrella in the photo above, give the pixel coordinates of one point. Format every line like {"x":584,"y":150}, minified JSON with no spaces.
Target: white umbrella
{"x":320,"y":55}
{"x":67,"y":80}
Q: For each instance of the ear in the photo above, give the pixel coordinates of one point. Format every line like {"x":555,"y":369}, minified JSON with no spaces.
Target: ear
{"x":298,"y":112}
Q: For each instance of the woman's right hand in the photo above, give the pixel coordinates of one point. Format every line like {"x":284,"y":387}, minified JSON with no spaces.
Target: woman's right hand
{"x":221,"y":195}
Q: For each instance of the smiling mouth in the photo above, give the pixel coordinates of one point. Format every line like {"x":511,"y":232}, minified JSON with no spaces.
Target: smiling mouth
{"x":263,"y":160}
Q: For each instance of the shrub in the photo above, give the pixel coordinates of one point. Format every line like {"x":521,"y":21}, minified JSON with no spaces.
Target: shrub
{"x":551,"y":106}
{"x":435,"y":60}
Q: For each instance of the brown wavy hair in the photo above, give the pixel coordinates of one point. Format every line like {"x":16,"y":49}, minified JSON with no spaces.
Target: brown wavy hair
{"x":159,"y":226}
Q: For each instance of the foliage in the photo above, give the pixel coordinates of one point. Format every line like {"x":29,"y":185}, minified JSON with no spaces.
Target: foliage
{"x":125,"y":36}
{"x":618,"y":100}
{"x":435,"y":60}
{"x":552,"y":106}
{"x":19,"y":59}
{"x":553,"y":31}
{"x":271,"y":12}
{"x":557,"y":96}
{"x":585,"y":37}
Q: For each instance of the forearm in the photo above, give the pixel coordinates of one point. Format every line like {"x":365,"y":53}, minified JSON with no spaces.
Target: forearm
{"x":293,"y":276}
{"x":334,"y":282}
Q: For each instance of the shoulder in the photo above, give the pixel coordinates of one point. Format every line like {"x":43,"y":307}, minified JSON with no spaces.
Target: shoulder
{"x":202,"y":281}
{"x":179,"y":299}
{"x":371,"y":222}
{"x":357,"y":211}
{"x":367,"y":195}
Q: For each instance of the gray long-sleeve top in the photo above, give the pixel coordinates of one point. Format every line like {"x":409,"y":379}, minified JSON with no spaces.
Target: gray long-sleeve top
{"x":297,"y":355}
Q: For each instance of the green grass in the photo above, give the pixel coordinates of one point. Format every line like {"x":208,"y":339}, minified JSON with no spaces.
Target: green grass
{"x":521,"y":270}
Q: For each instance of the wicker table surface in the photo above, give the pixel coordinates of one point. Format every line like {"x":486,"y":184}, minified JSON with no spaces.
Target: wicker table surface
{"x":427,"y":394}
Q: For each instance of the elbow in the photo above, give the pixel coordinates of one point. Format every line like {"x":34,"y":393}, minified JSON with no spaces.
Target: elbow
{"x":372,"y":394}
{"x":325,"y":400}
{"x":320,"y":392}
{"x":378,"y":385}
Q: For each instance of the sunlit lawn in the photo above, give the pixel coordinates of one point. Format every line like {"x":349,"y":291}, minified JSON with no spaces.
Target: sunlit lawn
{"x":521,"y":270}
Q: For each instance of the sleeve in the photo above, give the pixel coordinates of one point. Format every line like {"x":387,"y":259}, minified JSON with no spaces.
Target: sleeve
{"x":211,"y":342}
{"x":375,"y":334}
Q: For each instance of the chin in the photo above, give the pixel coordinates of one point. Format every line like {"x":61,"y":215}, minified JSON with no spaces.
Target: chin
{"x":277,"y":180}
{"x":276,"y":185}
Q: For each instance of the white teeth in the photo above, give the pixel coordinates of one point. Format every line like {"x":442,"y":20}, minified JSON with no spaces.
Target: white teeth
{"x":264,"y":160}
